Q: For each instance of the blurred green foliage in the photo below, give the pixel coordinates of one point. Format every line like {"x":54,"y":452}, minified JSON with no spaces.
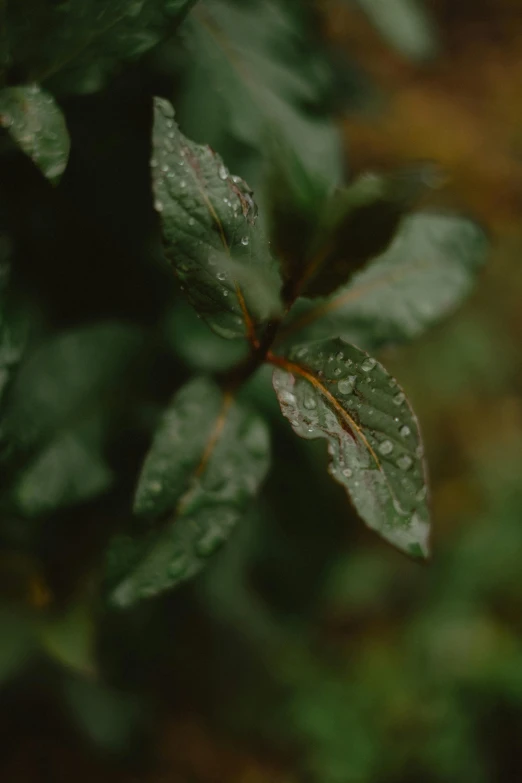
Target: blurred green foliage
{"x":306,"y":651}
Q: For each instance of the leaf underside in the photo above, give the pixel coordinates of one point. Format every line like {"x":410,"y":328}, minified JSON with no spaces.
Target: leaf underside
{"x":335,"y":391}
{"x":206,"y":462}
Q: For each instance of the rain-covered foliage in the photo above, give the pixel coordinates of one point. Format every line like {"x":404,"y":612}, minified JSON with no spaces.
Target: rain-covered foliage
{"x":188,"y":261}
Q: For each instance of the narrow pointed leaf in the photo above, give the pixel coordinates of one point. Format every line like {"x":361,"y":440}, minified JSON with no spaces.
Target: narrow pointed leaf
{"x":36,"y":123}
{"x":210,"y":234}
{"x":206,"y":463}
{"x":428,"y":270}
{"x":335,"y":391}
{"x":76,"y":45}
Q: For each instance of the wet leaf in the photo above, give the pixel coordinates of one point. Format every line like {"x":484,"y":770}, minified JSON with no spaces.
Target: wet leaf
{"x":424,"y":275}
{"x":36,"y":123}
{"x":210,"y":234}
{"x":74,"y":46}
{"x":207,"y":460}
{"x":335,"y":391}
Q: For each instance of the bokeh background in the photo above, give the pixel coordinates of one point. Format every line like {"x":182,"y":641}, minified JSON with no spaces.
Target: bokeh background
{"x":308,"y":651}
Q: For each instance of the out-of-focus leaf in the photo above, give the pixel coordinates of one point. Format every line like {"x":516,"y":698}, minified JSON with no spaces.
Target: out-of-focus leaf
{"x":255,"y":74}
{"x":206,"y":462}
{"x":207,"y":217}
{"x":36,"y":123}
{"x":69,"y":638}
{"x":17,"y":641}
{"x":197,"y":345}
{"x":348,"y":228}
{"x":70,"y":469}
{"x":108,"y":717}
{"x":74,"y":46}
{"x":335,"y":391}
{"x":59,"y":411}
{"x":405,"y":24}
{"x":425,"y":274}
{"x":13,"y":320}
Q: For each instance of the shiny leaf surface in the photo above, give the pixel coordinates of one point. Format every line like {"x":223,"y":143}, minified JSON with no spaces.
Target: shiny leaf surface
{"x":36,"y":123}
{"x":335,"y":391}
{"x":207,"y":460}
{"x":211,"y":238}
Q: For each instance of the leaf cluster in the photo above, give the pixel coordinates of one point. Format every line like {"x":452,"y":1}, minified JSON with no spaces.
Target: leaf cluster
{"x":311,"y":284}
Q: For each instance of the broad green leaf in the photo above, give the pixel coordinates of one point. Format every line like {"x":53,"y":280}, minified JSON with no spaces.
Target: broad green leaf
{"x":256,"y":73}
{"x":338,"y":233}
{"x":211,"y":238}
{"x":405,"y":24}
{"x":335,"y":391}
{"x":207,"y":460}
{"x":74,"y":46}
{"x":424,"y":275}
{"x":36,"y":123}
{"x":58,"y":415}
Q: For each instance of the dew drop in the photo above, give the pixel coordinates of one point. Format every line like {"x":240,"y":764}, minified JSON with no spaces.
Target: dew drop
{"x":339,"y":356}
{"x":347,"y":385}
{"x":153,"y":163}
{"x":225,"y":293}
{"x":405,"y":431}
{"x":386,"y":447}
{"x":164,"y":167}
{"x":399,"y":398}
{"x":182,"y":183}
{"x":347,"y":472}
{"x":223,"y":172}
{"x":191,"y":221}
{"x":337,"y":371}
{"x":155,"y":487}
{"x":220,"y":275}
{"x":404,"y":462}
{"x":245,"y":241}
{"x":309,"y":403}
{"x":421,"y":494}
{"x":287,"y":397}
{"x":158,"y":205}
{"x":368,"y":364}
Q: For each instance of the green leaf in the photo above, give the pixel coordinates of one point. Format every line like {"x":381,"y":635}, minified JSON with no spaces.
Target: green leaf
{"x":335,"y":391}
{"x":35,"y":122}
{"x":58,"y":415}
{"x":75,"y":46}
{"x":256,"y":73}
{"x":337,"y":233}
{"x":405,"y":25}
{"x":207,"y":460}
{"x":13,"y":321}
{"x":424,"y":275}
{"x":211,"y":238}
{"x":69,"y":470}
{"x":69,"y":638}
